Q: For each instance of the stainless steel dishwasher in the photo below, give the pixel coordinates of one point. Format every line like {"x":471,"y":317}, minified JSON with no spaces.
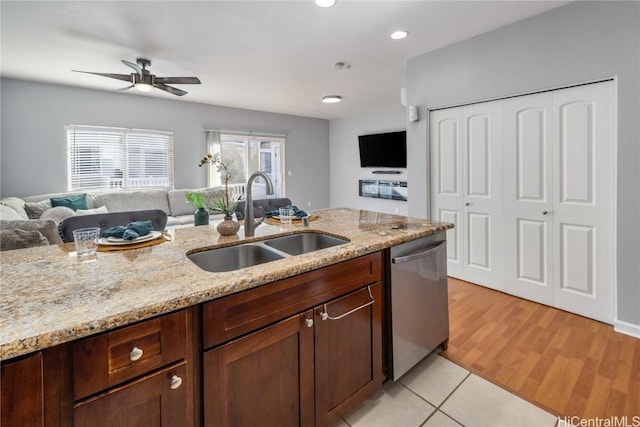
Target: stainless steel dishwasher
{"x":419,"y":305}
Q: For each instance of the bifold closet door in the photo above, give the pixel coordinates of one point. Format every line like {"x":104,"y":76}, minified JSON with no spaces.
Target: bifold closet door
{"x":466,"y":188}
{"x":446,"y":182}
{"x":528,"y":197}
{"x":583,"y":212}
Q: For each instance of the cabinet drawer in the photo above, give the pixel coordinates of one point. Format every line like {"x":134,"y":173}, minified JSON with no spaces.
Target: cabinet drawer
{"x":160,"y":399}
{"x":237,"y":314}
{"x":111,"y":358}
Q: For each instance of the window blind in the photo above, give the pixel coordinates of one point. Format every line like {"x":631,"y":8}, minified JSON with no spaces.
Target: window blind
{"x":112,"y":158}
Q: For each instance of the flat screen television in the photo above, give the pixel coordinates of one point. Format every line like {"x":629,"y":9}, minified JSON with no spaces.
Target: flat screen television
{"x":386,"y":150}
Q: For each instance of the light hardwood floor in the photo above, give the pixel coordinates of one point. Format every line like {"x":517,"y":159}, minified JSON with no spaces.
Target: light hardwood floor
{"x":562,"y":362}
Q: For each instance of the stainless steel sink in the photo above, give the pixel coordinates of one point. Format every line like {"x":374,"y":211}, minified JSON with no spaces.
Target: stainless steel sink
{"x":233,"y":257}
{"x":249,"y":254}
{"x":302,"y":243}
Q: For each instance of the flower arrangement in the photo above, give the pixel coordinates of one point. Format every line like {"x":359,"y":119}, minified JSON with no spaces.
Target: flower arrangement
{"x":223,"y":204}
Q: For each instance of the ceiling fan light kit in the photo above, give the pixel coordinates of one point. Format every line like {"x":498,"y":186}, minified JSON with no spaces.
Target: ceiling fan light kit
{"x":144,"y":81}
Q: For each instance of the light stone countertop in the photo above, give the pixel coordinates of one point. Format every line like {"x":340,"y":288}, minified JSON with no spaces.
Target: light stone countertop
{"x":47,"y":297}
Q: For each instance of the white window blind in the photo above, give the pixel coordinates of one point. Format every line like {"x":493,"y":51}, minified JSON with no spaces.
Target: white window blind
{"x":111,"y":158}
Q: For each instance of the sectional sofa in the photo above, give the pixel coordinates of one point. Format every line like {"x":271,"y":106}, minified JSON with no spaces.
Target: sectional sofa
{"x":32,"y":220}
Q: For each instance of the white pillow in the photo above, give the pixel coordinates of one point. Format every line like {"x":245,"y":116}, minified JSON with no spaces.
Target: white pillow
{"x":57,"y":214}
{"x":8,"y":213}
{"x":100,"y":210}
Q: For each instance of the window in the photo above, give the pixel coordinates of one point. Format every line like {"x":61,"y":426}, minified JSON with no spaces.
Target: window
{"x":248,"y":154}
{"x":107,"y":158}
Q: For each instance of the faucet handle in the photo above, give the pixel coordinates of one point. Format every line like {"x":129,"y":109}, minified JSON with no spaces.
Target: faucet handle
{"x":261,"y":220}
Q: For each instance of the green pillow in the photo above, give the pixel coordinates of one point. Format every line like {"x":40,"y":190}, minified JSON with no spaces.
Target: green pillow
{"x":73,"y":202}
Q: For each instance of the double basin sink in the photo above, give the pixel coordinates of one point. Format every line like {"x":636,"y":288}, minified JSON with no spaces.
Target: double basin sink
{"x":249,"y":254}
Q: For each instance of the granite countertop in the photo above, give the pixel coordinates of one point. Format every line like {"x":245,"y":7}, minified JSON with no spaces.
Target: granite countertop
{"x":48,"y":297}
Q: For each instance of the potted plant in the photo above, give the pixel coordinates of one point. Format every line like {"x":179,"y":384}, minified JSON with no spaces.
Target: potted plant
{"x":200,"y":216}
{"x":224,"y":204}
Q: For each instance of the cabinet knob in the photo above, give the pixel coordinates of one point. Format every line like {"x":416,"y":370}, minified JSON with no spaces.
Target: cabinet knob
{"x":176,"y":382}
{"x":136,"y":353}
{"x":308,"y":322}
{"x":545,"y":212}
{"x":467,"y":204}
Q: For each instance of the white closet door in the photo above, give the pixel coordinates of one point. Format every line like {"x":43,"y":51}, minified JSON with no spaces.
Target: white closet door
{"x":528,"y":197}
{"x":483,"y":187}
{"x":446,"y":181}
{"x":583,"y":215}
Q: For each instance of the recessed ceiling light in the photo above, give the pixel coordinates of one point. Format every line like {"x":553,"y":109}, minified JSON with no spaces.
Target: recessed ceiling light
{"x":325,"y":3}
{"x":331,"y":99}
{"x":400,"y":34}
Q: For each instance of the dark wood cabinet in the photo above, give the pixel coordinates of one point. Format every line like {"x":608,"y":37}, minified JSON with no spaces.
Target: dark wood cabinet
{"x":264,"y":378}
{"x":159,"y":399}
{"x":348,"y":350}
{"x":308,"y":369}
{"x":22,"y":393}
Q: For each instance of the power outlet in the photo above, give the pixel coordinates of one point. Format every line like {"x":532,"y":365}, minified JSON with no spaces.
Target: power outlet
{"x":309,"y":204}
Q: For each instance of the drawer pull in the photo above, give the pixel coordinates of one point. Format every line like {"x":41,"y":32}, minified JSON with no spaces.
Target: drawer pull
{"x":308,"y":322}
{"x":136,"y":354}
{"x":324,"y":315}
{"x":176,"y":382}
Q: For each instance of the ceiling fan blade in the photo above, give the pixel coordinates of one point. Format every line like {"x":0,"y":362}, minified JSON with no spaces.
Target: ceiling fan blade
{"x":136,"y":67}
{"x":178,"y":80}
{"x":125,"y":77}
{"x":170,"y":89}
{"x":127,"y":88}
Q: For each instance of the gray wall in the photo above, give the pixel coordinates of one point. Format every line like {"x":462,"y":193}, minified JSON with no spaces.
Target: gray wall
{"x":33,"y":145}
{"x":345,"y":159}
{"x":578,"y":42}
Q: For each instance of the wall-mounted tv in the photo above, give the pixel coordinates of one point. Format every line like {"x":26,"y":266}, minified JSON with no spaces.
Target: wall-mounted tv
{"x":383,"y":150}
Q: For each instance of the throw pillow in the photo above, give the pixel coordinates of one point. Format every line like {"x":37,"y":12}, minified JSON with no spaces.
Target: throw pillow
{"x":16,"y":204}
{"x":47,"y":227}
{"x":57,"y":214}
{"x":100,"y":210}
{"x":20,"y":239}
{"x":73,"y":202}
{"x":35,"y":209}
{"x":8,"y":213}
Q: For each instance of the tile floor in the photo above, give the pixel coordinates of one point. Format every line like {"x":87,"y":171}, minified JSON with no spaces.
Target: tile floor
{"x":439,"y":393}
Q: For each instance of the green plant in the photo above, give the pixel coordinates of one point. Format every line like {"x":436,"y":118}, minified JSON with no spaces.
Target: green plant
{"x":196,"y":199}
{"x":223,"y":204}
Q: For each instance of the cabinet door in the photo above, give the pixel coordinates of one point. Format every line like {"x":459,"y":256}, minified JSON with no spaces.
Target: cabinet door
{"x":348,"y":334}
{"x":22,"y":393}
{"x":157,"y":400}
{"x":262,"y":379}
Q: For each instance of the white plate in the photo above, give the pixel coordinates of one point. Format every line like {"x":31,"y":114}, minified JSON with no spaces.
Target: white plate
{"x":118,"y":241}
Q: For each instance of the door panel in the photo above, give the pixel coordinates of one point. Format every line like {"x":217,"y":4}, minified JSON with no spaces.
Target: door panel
{"x":532,"y":251}
{"x":576,"y":261}
{"x":477,"y":159}
{"x":479,"y":242}
{"x":446,"y":172}
{"x":482,"y":173}
{"x":527,"y":196}
{"x":584,"y":208}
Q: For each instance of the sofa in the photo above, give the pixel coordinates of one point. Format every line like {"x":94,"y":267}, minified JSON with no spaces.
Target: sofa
{"x":36,"y":218}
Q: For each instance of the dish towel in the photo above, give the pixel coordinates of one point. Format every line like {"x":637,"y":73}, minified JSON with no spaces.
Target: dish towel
{"x":131,"y":231}
{"x":296,"y":212}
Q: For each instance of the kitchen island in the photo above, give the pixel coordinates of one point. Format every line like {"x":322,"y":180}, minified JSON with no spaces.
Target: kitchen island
{"x":48,"y":298}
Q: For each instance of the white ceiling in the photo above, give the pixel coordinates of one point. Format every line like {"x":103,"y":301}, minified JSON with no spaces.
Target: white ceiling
{"x":264,"y":55}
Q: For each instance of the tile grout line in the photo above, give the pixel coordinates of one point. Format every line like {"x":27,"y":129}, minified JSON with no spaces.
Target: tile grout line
{"x":437,"y":408}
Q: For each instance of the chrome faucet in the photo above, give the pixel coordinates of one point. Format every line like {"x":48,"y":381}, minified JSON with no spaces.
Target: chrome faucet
{"x":250,"y":223}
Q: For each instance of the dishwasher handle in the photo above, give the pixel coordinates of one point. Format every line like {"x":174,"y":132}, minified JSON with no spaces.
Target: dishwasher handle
{"x":423,"y":253}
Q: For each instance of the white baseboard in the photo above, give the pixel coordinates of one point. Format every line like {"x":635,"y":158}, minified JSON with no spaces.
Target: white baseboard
{"x":626,"y":328}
